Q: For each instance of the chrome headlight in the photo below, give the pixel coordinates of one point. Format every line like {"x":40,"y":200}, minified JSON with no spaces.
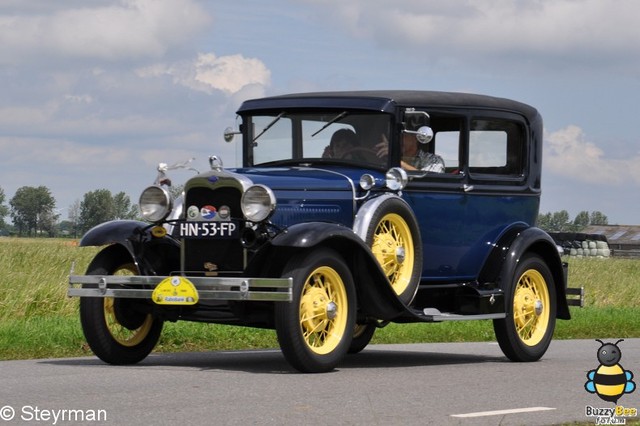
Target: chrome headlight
{"x":396,"y":179}
{"x":258,"y":203}
{"x":155,"y":203}
{"x":367,"y":181}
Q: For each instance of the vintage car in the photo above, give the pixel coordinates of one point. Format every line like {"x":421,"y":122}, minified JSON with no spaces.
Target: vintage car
{"x":351,"y":210}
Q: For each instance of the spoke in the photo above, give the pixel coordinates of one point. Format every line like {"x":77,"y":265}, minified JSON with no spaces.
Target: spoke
{"x":317,"y":281}
{"x":311,"y":317}
{"x":528,"y":325}
{"x":329,"y":289}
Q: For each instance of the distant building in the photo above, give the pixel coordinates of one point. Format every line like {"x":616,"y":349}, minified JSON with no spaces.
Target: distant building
{"x":623,"y":240}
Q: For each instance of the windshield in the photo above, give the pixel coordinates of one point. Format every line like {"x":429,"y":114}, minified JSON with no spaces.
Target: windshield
{"x":329,"y":136}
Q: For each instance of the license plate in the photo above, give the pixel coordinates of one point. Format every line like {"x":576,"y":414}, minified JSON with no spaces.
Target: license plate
{"x":213,"y":229}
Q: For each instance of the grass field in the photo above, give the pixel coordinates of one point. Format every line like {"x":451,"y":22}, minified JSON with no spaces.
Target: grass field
{"x":37,"y":319}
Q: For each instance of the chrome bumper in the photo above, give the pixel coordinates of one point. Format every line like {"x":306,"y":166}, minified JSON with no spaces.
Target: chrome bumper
{"x":209,"y":288}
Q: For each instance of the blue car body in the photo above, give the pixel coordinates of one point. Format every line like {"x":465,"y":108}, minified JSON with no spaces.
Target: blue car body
{"x":426,"y":201}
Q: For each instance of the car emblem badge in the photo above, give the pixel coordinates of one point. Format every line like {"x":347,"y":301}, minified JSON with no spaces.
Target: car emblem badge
{"x":224,"y":212}
{"x":208,"y":212}
{"x":193,"y":212}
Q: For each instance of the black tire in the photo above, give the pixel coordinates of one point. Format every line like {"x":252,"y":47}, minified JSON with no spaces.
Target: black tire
{"x":116,"y":330}
{"x":316,"y":328}
{"x":362,"y":335}
{"x":526,"y":332}
{"x":394,"y":238}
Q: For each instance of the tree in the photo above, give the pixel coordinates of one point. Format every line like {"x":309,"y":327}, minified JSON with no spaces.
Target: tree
{"x":581,"y":221}
{"x":4,"y":210}
{"x":96,"y":207}
{"x":123,"y":208}
{"x":560,"y":222}
{"x":66,"y":228}
{"x":32,"y":210}
{"x":74,"y":218}
{"x":597,"y":218}
{"x":100,"y":206}
{"x":544,"y":221}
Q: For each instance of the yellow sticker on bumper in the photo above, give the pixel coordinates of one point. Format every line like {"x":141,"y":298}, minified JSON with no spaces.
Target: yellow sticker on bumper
{"x":175,"y":291}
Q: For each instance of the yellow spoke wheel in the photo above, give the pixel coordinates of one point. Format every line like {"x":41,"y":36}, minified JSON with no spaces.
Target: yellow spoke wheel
{"x":315,"y":329}
{"x":393,"y":248}
{"x":530,"y":298}
{"x":531,"y":307}
{"x":323,"y":305}
{"x":120,"y":333}
{"x":118,"y":330}
{"x":393,"y":235}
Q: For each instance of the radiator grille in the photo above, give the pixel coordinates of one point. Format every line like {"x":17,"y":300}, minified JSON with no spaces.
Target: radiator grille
{"x":213,"y":256}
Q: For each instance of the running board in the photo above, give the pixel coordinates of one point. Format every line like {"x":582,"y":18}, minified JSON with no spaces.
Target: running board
{"x":434,"y":315}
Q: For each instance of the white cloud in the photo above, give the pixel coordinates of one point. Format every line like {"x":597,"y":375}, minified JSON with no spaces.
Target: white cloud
{"x":120,"y":29}
{"x":229,"y":74}
{"x":568,"y":153}
{"x":590,"y":30}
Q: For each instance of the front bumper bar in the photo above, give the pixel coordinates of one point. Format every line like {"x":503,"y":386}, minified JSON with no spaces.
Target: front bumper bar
{"x":209,"y":288}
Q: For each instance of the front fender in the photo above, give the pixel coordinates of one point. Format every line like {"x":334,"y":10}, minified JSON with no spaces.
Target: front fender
{"x":310,"y":234}
{"x":376,"y":298}
{"x":152,"y":255}
{"x":113,"y":232}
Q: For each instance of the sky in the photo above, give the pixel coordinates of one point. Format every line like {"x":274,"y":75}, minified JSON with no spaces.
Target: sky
{"x":96,"y":93}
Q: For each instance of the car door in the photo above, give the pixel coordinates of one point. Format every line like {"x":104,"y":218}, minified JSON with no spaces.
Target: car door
{"x":481,"y":194}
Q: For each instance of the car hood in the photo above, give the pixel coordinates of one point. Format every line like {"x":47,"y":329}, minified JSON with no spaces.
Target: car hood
{"x":304,"y":178}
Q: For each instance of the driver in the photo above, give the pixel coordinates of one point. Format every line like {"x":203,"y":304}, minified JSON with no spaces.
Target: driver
{"x":342,"y":143}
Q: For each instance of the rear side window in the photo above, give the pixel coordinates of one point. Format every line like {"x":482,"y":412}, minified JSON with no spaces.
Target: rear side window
{"x":496,"y":147}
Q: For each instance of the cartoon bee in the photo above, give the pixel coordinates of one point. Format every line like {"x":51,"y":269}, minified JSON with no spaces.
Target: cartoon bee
{"x":609,"y":381}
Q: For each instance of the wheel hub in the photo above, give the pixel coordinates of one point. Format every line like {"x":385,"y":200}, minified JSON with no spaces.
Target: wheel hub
{"x":331,"y":310}
{"x":527,"y":302}
{"x":538,"y":307}
{"x":317,"y":306}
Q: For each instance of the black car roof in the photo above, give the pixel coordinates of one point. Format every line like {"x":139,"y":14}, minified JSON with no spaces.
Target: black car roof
{"x":387,"y":101}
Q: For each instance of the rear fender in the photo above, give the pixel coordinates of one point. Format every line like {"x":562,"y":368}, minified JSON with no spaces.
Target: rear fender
{"x":514,"y":244}
{"x":376,"y":298}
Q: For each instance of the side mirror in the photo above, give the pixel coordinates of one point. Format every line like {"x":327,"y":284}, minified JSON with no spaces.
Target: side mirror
{"x":424,"y":134}
{"x":229,"y":134}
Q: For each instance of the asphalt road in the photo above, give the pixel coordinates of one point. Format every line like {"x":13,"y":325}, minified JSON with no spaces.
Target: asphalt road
{"x":419,"y":384}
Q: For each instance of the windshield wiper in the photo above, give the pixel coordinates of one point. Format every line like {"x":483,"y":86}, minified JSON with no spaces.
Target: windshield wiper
{"x":330,"y":122}
{"x":269,"y":125}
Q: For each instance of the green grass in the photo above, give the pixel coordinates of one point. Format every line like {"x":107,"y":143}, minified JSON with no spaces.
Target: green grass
{"x":37,"y":320}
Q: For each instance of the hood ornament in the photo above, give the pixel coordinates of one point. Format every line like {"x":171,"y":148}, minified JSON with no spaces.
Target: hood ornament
{"x":215,"y":162}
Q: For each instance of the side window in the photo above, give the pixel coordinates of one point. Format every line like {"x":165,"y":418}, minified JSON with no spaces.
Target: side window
{"x":496,"y":147}
{"x":446,"y":146}
{"x":447,"y":131}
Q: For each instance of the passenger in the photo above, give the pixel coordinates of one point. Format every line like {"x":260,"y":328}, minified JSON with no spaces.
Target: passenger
{"x":413,"y":158}
{"x":342,"y":144}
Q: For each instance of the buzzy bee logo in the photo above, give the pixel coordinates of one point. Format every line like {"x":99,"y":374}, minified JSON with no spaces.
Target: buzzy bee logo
{"x":610,"y":381}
